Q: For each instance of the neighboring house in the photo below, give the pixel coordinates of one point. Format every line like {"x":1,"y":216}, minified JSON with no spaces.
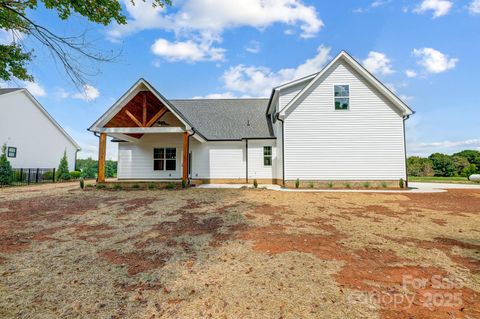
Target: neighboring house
{"x":340,"y":124}
{"x":33,"y":138}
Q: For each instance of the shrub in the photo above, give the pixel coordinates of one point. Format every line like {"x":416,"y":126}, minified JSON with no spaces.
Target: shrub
{"x":152,"y":185}
{"x":366,"y":184}
{"x":62,"y":171}
{"x":136,"y":186}
{"x":348,"y":185}
{"x":75,"y":174}
{"x":469,"y":170}
{"x":255,"y":183}
{"x":184,"y":183}
{"x":117,"y":187}
{"x":330,"y":185}
{"x":170,"y":186}
{"x":82,"y":183}
{"x":384,"y":184}
{"x":47,"y":176}
{"x":5,"y":168}
{"x":401,"y":183}
{"x":297,"y":183}
{"x":101,"y":186}
{"x":311,"y":185}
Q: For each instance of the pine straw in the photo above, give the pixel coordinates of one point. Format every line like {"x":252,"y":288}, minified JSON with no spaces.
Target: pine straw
{"x":228,"y":253}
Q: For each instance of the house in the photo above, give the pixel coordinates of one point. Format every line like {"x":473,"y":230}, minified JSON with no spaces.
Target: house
{"x":33,"y":138}
{"x":340,"y":124}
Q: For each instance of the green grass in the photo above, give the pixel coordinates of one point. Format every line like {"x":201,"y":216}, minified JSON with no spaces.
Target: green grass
{"x":437,"y":179}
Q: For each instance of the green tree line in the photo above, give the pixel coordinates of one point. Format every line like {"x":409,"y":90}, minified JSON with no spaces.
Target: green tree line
{"x":464,"y":163}
{"x":89,"y":167}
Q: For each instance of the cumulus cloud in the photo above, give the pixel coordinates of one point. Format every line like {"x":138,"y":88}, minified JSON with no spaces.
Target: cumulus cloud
{"x":90,"y":93}
{"x":378,"y":63}
{"x":226,"y":95}
{"x":438,"y":7}
{"x":35,"y":88}
{"x":434,"y":61}
{"x":259,"y":81}
{"x":411,"y":73}
{"x":189,"y":51}
{"x":449,"y":147}
{"x":474,"y":7}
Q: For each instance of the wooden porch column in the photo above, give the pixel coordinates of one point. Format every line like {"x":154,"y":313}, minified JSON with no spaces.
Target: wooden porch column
{"x":185,"y":157}
{"x":102,"y":150}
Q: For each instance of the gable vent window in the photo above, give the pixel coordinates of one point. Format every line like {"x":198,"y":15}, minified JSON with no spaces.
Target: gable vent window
{"x":12,"y":152}
{"x":342,"y":97}
{"x":267,"y":156}
{"x":164,"y":159}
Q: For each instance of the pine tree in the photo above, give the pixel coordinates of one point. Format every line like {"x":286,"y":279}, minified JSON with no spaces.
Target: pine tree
{"x":5,"y":168}
{"x":62,"y":173}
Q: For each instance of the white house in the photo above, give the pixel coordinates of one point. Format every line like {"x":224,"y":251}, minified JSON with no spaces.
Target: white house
{"x":33,"y":138}
{"x":338,"y":125}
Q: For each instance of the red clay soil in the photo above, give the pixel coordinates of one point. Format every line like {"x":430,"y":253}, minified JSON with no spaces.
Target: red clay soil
{"x":375,"y":272}
{"x":137,"y":262}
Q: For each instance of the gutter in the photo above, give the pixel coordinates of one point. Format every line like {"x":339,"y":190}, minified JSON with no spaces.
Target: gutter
{"x":188,"y":155}
{"x":283,"y":149}
{"x":405,"y":117}
{"x":246,"y":160}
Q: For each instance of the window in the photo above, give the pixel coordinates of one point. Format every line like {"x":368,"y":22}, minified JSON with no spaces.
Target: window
{"x":12,"y":151}
{"x":267,"y":156}
{"x":164,"y":159}
{"x":342,"y":97}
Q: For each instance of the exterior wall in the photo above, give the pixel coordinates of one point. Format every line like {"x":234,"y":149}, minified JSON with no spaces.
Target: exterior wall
{"x":135,"y":160}
{"x":286,"y":95}
{"x":365,"y":142}
{"x":256,"y":169}
{"x":39,"y":143}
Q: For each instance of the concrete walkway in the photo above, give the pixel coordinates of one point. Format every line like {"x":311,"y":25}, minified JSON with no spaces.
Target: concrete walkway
{"x":414,"y":188}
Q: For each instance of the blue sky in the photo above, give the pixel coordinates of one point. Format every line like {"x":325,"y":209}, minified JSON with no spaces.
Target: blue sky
{"x":427,"y":51}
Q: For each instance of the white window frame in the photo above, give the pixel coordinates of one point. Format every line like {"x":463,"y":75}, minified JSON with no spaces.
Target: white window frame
{"x":165,"y":159}
{"x":267,"y":156}
{"x":342,"y":97}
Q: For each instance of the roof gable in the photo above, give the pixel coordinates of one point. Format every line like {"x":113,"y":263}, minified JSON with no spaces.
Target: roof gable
{"x":344,"y":56}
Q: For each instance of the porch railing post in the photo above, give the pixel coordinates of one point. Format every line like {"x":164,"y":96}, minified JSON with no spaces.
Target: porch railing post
{"x":28,"y":179}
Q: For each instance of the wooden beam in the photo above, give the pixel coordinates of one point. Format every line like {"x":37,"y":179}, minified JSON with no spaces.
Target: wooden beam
{"x":130,"y":115}
{"x":157,"y":116}
{"x":142,"y":130}
{"x":102,"y":151}
{"x":185,"y":157}
{"x":144,"y":106}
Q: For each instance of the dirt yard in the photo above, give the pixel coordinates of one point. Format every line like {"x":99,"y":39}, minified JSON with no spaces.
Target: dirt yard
{"x":201,"y":253}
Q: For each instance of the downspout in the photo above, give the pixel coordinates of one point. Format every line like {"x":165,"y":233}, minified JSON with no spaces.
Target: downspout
{"x":406,"y":117}
{"x":246,"y":161}
{"x":75,"y":166}
{"x":283,"y":149}
{"x":188,"y":155}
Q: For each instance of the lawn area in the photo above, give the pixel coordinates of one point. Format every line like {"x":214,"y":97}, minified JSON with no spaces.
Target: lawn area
{"x":201,"y":253}
{"x":436,"y":179}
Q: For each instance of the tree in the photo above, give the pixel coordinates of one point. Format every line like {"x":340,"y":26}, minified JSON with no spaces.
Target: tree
{"x":110,"y":168}
{"x":419,"y":166}
{"x":63,"y":174}
{"x":5,"y":168}
{"x":472,"y":156}
{"x":442,"y":164}
{"x":460,"y":164}
{"x":68,"y":50}
{"x":88,"y":167}
{"x":470,"y":170}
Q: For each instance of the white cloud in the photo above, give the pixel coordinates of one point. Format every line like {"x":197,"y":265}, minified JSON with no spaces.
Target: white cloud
{"x":35,"y":88}
{"x":226,"y":95}
{"x":434,"y":61}
{"x":259,"y":81}
{"x":189,"y":51}
{"x":378,"y":63}
{"x":89,"y":93}
{"x":7,"y":37}
{"x":474,"y":7}
{"x":439,"y":7}
{"x":373,"y":5}
{"x":411,"y":73}
{"x":253,"y":47}
{"x":449,"y":147}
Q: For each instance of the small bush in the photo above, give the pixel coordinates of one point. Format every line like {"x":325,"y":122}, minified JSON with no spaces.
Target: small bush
{"x":152,"y":185}
{"x":184,"y":183}
{"x":297,"y":183}
{"x":170,"y":186}
{"x":255,"y":183}
{"x":136,"y":186}
{"x":401,"y":183}
{"x":348,"y":185}
{"x":330,"y":185}
{"x":311,"y":185}
{"x":117,"y":187}
{"x":47,"y":176}
{"x":82,"y":183}
{"x":366,"y":184}
{"x":101,"y":186}
{"x":5,"y":168}
{"x":62,"y":172}
{"x":384,"y":185}
{"x":75,"y":174}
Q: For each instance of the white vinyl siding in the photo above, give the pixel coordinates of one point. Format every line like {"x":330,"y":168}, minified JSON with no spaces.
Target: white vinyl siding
{"x":135,"y":160}
{"x":286,"y":95}
{"x":364,"y":143}
{"x":256,"y":169}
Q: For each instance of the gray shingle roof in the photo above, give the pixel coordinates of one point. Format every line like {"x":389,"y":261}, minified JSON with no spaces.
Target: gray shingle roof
{"x":227,"y":119}
{"x":5,"y":91}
